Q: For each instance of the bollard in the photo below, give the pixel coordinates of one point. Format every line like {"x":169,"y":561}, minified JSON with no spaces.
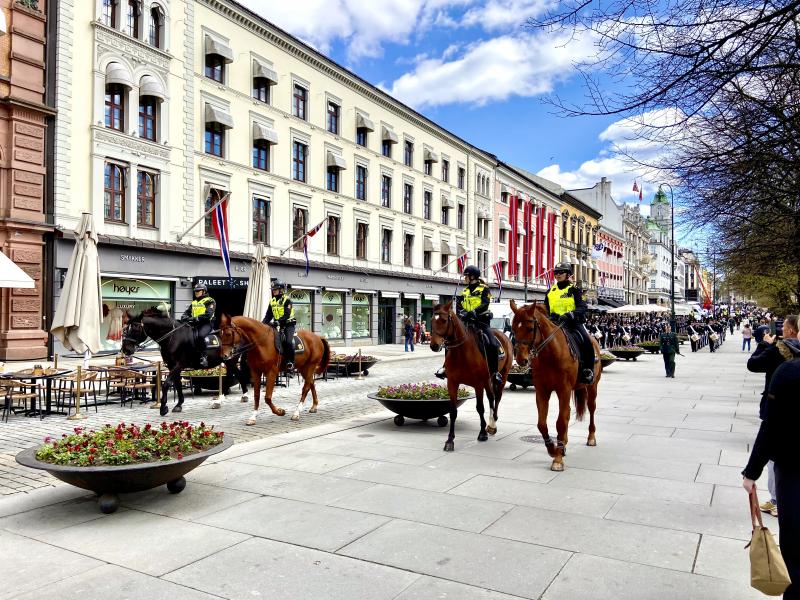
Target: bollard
{"x":360,"y":372}
{"x":55,"y":361}
{"x":78,"y":416}
{"x":157,"y":402}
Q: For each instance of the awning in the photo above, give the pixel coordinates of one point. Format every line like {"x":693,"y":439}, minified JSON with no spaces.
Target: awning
{"x":430,"y":156}
{"x":11,"y":276}
{"x":150,"y":86}
{"x":610,"y":302}
{"x":446,"y":248}
{"x":447,"y":202}
{"x":390,"y":294}
{"x":364,"y":291}
{"x":218,"y":115}
{"x":262,"y":132}
{"x":461,"y":250}
{"x":331,"y":289}
{"x":484,"y":214}
{"x":410,"y":296}
{"x":363,"y":122}
{"x":427,"y":244}
{"x":218,"y":48}
{"x":504,"y":225}
{"x":432,"y":297}
{"x":335,"y":161}
{"x":118,"y":73}
{"x":262,"y":71}
{"x":388,"y":135}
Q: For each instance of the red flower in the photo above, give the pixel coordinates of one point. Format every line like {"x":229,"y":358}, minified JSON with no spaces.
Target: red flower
{"x":180,"y":455}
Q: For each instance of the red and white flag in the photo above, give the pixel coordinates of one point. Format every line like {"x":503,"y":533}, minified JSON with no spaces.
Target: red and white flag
{"x":311,"y":233}
{"x":498,"y":274}
{"x":219,"y":223}
{"x":635,"y":186}
{"x":462,"y":262}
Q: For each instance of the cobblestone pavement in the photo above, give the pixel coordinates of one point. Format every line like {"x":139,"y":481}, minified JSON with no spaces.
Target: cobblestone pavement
{"x":339,"y":398}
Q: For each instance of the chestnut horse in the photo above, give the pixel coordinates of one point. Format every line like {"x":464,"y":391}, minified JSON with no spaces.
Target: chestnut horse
{"x":465,"y":363}
{"x":543,"y":345}
{"x":241,"y":334}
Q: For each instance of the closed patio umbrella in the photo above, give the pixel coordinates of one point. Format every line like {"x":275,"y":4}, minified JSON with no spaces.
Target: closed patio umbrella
{"x":258,"y":289}
{"x":76,"y":323}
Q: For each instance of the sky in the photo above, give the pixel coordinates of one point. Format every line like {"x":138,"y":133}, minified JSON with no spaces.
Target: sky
{"x":476,"y":69}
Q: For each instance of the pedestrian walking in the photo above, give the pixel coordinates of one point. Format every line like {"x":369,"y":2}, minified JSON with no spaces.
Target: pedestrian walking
{"x":776,"y":440}
{"x":668,"y":342}
{"x":747,"y":335}
{"x":416,"y":330}
{"x":408,"y":331}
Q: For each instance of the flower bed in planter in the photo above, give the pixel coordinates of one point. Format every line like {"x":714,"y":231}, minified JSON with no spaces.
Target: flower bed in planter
{"x":208,"y":379}
{"x":126,"y":458}
{"x":520,"y":376}
{"x":652,"y":346}
{"x":606,"y":359}
{"x":419,"y":401}
{"x":626,"y":352}
{"x":347,"y":364}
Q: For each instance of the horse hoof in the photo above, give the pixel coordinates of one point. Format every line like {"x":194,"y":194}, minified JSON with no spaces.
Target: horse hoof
{"x":216,"y":405}
{"x":449,"y":446}
{"x":551,"y":450}
{"x":280,"y":412}
{"x":491,"y":430}
{"x":250,"y":422}
{"x":163,"y":411}
{"x":482,"y":437}
{"x":312,"y":410}
{"x":245,"y":398}
{"x":591,"y":442}
{"x":177,"y":408}
{"x":295,"y":417}
{"x":557,"y":466}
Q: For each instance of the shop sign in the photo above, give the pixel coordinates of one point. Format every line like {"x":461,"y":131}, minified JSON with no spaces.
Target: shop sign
{"x":332,"y":299}
{"x":136,"y":289}
{"x":360,"y":300}
{"x":300,"y":297}
{"x":223,"y":282}
{"x":137,"y":258}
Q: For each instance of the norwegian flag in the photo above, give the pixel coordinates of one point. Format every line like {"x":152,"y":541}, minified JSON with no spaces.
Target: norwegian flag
{"x":641,"y":193}
{"x":498,"y":274}
{"x":219,"y":223}
{"x":310,"y":234}
{"x":603,"y":279}
{"x":635,"y":186}
{"x":548,"y":278}
{"x":462,"y":262}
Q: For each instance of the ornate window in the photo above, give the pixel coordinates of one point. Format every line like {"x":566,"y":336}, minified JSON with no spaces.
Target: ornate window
{"x":132,"y":18}
{"x":109,"y":14}
{"x":215,"y":139}
{"x":115,"y":107}
{"x":261,"y":215}
{"x":156,"y":27}
{"x":148,"y":111}
{"x":215,"y":68}
{"x":114,"y":193}
{"x":146,"y":186}
{"x":261,"y":155}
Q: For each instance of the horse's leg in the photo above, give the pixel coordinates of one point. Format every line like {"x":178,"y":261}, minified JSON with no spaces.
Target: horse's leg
{"x":239,"y":374}
{"x":482,"y":437}
{"x":592,"y":404}
{"x":452,"y":388}
{"x":176,"y":381}
{"x":255,"y":377}
{"x":561,"y":428}
{"x":272,"y":377}
{"x":308,"y":379}
{"x":491,"y":394}
{"x":542,"y":402}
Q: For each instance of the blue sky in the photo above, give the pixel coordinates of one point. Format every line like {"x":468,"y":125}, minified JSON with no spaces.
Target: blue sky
{"x":474,"y":68}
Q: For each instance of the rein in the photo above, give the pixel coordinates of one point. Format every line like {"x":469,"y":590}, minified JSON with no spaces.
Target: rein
{"x":139,"y":346}
{"x":535,"y":350}
{"x":447,"y":335}
{"x":241,"y":348}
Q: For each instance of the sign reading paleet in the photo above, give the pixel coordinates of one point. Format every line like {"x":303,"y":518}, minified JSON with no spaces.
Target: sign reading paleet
{"x":136,"y":289}
{"x":223,"y":282}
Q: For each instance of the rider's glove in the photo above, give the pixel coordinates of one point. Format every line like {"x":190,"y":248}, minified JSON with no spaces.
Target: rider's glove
{"x":566,"y":318}
{"x":471,"y":315}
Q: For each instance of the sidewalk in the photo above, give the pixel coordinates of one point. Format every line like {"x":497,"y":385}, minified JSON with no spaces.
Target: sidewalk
{"x":359,"y":508}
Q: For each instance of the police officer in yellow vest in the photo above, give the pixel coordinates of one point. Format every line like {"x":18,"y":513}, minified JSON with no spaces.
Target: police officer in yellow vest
{"x":567,"y":304}
{"x":281,"y":311}
{"x":473,"y":309}
{"x":199,"y":314}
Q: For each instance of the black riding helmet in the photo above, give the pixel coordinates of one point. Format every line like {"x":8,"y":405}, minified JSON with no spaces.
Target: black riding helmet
{"x":201,"y":287}
{"x":472,"y":271}
{"x":278,"y":286}
{"x":563,"y":267}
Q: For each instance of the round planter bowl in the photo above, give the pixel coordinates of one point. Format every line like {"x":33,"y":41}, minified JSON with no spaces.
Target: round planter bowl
{"x":523,"y":380}
{"x":626,"y":354}
{"x":108,"y":481}
{"x":419,"y":409}
{"x":604,"y":362}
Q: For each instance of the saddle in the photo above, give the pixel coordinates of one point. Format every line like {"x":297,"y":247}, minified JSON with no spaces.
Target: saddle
{"x":484,"y":342}
{"x":299,"y":346}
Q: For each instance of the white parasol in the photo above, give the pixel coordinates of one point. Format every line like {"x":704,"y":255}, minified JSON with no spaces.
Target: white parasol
{"x":258,"y":288}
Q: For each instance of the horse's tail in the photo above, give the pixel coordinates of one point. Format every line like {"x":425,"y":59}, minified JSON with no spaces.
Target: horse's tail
{"x":580,"y":403}
{"x":326,"y":357}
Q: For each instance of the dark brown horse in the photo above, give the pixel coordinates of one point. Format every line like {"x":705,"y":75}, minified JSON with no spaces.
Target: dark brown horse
{"x":239,"y":334}
{"x":465,"y":364}
{"x":543,"y":345}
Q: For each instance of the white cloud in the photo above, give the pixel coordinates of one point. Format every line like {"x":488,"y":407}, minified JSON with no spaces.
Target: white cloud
{"x":493,"y":70}
{"x":504,"y":14}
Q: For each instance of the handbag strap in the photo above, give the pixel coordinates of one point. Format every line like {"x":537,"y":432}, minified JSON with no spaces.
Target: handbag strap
{"x":755,"y":511}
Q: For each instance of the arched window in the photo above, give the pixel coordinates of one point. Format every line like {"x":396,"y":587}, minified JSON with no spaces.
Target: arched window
{"x":109,"y":13}
{"x":156,"y":27}
{"x":115,"y":107}
{"x":114,"y":193}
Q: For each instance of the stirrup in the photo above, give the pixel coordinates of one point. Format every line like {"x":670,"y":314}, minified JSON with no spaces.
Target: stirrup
{"x":588,"y":376}
{"x":498,"y":378}
{"x":289,"y":367}
{"x":441,"y":374}
{"x":203,"y":362}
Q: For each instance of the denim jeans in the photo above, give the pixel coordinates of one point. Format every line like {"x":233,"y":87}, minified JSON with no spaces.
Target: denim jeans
{"x":409,"y":342}
{"x":747,"y":342}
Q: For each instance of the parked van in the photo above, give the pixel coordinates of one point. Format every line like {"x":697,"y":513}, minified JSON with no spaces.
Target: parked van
{"x":502,"y":315}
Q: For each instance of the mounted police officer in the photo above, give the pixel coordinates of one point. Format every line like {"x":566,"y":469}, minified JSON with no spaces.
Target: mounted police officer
{"x":199,"y":314}
{"x":281,"y":311}
{"x":473,"y":309}
{"x":566,"y":303}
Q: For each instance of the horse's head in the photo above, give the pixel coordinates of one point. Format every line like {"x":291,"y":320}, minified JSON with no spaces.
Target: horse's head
{"x":525,"y":328}
{"x":441,"y":325}
{"x":230,"y":337}
{"x":133,"y":334}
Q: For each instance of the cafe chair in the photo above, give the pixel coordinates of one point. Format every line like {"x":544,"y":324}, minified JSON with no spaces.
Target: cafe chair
{"x":133,"y":385}
{"x":21,"y":396}
{"x":68,"y":394}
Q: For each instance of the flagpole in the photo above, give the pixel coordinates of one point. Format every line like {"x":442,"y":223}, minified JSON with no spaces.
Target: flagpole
{"x":205,"y":214}
{"x":450,"y":263}
{"x":300,"y":239}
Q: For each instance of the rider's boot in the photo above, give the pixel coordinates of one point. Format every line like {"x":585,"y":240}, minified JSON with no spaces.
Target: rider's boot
{"x":441,"y":374}
{"x":203,"y":360}
{"x":587,"y":376}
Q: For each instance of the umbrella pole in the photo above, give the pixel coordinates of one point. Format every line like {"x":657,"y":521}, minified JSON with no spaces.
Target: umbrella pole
{"x":86,"y":356}
{"x":78,"y":416}
{"x":217,"y":403}
{"x":360,"y":374}
{"x":157,"y":402}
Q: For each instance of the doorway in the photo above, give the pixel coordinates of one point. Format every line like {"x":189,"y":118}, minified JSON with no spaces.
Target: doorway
{"x":386,"y":319}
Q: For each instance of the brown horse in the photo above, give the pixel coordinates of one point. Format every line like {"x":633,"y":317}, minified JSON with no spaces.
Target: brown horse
{"x":241,"y":334}
{"x":543,"y":345}
{"x":464,"y":363}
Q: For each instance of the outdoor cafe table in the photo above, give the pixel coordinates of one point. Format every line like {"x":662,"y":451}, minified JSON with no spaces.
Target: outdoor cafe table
{"x":142,"y":367}
{"x":46,"y":377}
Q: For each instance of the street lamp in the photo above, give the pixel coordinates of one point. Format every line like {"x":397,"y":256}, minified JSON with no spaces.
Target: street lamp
{"x":672,"y":322}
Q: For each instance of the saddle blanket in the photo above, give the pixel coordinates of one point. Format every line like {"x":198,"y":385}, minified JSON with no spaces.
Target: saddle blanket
{"x":299,"y":346}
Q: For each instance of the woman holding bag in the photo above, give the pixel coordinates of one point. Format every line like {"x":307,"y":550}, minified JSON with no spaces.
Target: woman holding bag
{"x":776,"y":440}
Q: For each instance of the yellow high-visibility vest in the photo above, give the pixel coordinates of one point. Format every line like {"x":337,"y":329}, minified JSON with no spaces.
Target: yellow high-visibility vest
{"x":279,"y":307}
{"x":561,"y":301}
{"x":471,"y":299}
{"x":199,"y":306}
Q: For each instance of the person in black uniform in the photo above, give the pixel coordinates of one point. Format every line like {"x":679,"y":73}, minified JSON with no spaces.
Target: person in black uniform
{"x":669,"y":345}
{"x":473,"y":309}
{"x":566,"y":304}
{"x":281,"y":312}
{"x":199,"y":315}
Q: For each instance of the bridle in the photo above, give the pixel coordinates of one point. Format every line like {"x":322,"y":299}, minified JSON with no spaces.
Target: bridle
{"x":233,"y":330}
{"x":449,"y":333}
{"x":534,"y":349}
{"x":139,"y":345}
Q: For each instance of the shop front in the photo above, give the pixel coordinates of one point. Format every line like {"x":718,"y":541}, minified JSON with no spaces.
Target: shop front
{"x":362,"y":315}
{"x":229,"y":294}
{"x":333,"y":316}
{"x":123,"y":297}
{"x":303,"y":304}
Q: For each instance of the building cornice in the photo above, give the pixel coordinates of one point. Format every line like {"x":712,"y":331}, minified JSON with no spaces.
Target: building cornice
{"x":258,"y":25}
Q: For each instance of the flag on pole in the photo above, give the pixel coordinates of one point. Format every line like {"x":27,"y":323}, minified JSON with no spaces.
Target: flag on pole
{"x":462,"y":262}
{"x":548,"y":278}
{"x":498,"y":274}
{"x":635,"y":186}
{"x":641,"y":195}
{"x":603,"y":279}
{"x":310,"y":234}
{"x":219,"y":223}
